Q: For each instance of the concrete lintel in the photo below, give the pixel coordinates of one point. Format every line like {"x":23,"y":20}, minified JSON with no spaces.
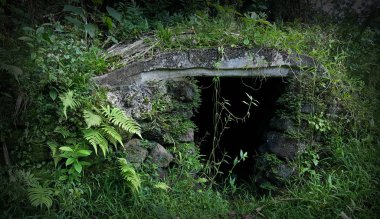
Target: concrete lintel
{"x":232,"y":62}
{"x":165,"y":74}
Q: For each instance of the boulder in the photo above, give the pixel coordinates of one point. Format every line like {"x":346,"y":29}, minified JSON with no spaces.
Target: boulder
{"x":281,"y":124}
{"x":136,"y":154}
{"x":281,"y":145}
{"x":281,"y":174}
{"x":160,"y":156}
{"x":284,"y":171}
{"x":182,"y":91}
{"x":187,"y":137}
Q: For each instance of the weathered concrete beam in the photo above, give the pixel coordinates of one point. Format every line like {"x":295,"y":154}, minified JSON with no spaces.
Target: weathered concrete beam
{"x":239,"y":62}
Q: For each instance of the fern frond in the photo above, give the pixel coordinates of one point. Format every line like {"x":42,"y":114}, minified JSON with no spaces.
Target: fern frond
{"x":68,"y":101}
{"x":112,"y":135}
{"x":130,"y":175}
{"x":39,"y":196}
{"x":28,"y":178}
{"x":54,"y":149}
{"x":162,"y":186}
{"x":91,"y":118}
{"x":117,"y":117}
{"x":95,"y":138}
{"x":106,"y":110}
{"x":63,"y":131}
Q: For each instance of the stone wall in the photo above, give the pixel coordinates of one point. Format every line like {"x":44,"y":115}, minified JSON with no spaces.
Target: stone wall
{"x":160,"y":94}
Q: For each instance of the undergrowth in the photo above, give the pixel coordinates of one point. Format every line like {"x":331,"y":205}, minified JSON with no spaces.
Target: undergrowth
{"x":62,"y":115}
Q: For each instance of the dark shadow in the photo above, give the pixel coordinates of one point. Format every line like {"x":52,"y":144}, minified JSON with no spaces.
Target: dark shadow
{"x":245,"y":136}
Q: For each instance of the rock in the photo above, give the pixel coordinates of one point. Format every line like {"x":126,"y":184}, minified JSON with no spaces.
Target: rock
{"x":153,"y":133}
{"x":284,"y":171}
{"x":307,"y":108}
{"x":182,"y":91}
{"x":136,"y":154}
{"x":161,"y":156}
{"x":185,"y":113}
{"x":334,"y":108}
{"x":162,"y":173}
{"x":188,"y":136}
{"x":280,"y":145}
{"x":281,"y":124}
{"x":281,"y":174}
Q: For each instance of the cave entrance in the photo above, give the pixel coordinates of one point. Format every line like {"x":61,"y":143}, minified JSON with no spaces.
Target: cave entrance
{"x":246,"y":136}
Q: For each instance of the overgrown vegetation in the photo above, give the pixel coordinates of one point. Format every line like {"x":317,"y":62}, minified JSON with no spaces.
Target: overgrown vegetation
{"x":54,"y":118}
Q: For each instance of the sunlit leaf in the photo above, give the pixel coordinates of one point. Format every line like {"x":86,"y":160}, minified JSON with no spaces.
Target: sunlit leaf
{"x":65,"y":148}
{"x":78,"y":167}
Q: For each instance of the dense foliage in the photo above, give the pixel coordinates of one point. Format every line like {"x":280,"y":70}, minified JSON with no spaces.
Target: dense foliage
{"x":62,"y":141}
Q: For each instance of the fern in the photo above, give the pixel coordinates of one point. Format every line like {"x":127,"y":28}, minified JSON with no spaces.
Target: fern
{"x":26,"y":177}
{"x":68,"y":101}
{"x":91,"y":119}
{"x":162,"y":186}
{"x":112,"y":135}
{"x":95,"y":138}
{"x":54,"y":152}
{"x":130,"y":175}
{"x":39,"y":196}
{"x":117,"y":117}
{"x":63,"y":131}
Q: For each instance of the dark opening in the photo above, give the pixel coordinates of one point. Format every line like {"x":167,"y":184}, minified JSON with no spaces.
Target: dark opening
{"x":247,"y":136}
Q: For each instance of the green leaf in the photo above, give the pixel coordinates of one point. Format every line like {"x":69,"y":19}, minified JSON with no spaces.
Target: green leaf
{"x":53,"y":94}
{"x":117,"y":117}
{"x":84,"y":153}
{"x":97,"y":2}
{"x":112,"y":135}
{"x":78,"y":167}
{"x":39,"y":196}
{"x":85,"y":163}
{"x":90,"y":29}
{"x":162,"y":186}
{"x":65,"y":148}
{"x":28,"y":29}
{"x":68,"y":101}
{"x":91,"y":118}
{"x":12,"y":69}
{"x":62,"y":178}
{"x":40,"y":30}
{"x":236,"y":161}
{"x":70,"y":161}
{"x":202,"y":180}
{"x":246,"y":42}
{"x":95,"y":138}
{"x":74,"y":10}
{"x":25,"y":38}
{"x":53,"y":147}
{"x":63,"y":131}
{"x":108,"y":21}
{"x":74,"y":21}
{"x":129,"y":174}
{"x":114,"y":13}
